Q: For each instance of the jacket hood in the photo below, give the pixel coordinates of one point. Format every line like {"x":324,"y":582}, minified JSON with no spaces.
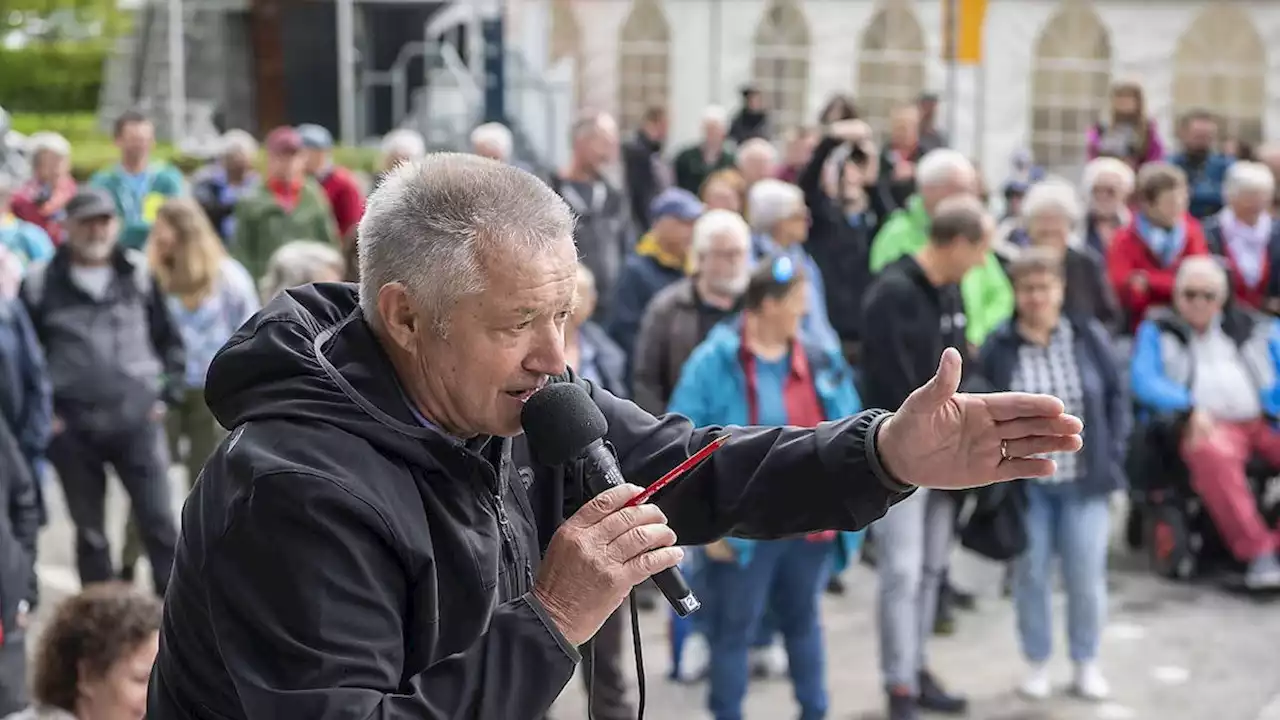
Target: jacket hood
{"x":309,"y":356}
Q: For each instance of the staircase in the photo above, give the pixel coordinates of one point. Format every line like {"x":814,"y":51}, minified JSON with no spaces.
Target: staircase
{"x":215,"y":36}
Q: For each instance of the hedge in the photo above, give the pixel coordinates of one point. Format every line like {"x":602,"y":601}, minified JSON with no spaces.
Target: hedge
{"x":51,"y":78}
{"x":92,"y":150}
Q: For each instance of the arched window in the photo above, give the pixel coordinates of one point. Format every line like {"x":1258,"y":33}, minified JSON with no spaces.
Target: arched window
{"x":1070,"y":81}
{"x":566,"y":44}
{"x":891,"y":64}
{"x":781,"y":70}
{"x":1221,"y":66}
{"x":644,"y":63}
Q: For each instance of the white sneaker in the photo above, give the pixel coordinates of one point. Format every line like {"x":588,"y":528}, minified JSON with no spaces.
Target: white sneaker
{"x":1036,"y":685}
{"x":696,"y":659}
{"x":769,"y":662}
{"x":1090,"y":684}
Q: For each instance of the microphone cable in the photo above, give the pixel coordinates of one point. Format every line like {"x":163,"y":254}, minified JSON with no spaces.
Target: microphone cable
{"x":637,"y":646}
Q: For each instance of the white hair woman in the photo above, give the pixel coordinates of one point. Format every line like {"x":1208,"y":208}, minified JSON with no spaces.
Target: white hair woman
{"x":757,"y":160}
{"x":1245,"y":236}
{"x":398,"y":146}
{"x":780,"y":222}
{"x":298,"y":263}
{"x":493,"y":140}
{"x":1052,"y":217}
{"x":41,"y":199}
{"x":1108,"y":184}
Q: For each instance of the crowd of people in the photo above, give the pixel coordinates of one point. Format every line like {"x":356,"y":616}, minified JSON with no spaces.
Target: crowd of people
{"x":736,"y":281}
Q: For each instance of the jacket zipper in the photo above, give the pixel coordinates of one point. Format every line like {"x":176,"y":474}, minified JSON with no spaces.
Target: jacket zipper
{"x":509,"y":553}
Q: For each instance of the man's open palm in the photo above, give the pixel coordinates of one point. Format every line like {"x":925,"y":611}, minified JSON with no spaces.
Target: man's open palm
{"x":942,"y":438}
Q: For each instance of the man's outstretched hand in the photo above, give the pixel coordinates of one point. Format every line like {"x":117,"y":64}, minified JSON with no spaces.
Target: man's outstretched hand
{"x":941,"y":438}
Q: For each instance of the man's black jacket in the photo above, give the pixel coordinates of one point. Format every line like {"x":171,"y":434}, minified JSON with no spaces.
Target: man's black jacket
{"x":907,"y":323}
{"x":340,"y":560}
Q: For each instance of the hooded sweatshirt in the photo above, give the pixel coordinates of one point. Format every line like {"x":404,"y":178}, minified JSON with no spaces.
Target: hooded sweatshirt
{"x":342,"y":558}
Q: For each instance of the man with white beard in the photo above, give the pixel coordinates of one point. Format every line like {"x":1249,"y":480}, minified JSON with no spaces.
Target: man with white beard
{"x":115,"y":360}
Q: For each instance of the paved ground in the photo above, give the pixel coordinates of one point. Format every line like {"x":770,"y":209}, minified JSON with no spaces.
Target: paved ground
{"x":1180,"y":652}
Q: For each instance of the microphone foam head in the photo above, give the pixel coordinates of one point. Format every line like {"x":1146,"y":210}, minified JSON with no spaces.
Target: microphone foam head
{"x":560,"y":421}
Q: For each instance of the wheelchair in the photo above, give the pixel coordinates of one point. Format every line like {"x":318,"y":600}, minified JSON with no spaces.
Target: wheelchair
{"x":1173,"y":526}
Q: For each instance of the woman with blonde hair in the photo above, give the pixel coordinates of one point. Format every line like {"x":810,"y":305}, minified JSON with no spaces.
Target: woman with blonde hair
{"x":210,"y":296}
{"x":1130,"y":133}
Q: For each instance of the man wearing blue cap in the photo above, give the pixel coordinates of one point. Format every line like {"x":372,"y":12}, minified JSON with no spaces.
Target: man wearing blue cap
{"x":659,"y":260}
{"x":346,"y":200}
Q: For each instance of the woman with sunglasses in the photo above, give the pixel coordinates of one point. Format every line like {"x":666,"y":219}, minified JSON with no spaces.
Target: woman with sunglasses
{"x":756,"y":370}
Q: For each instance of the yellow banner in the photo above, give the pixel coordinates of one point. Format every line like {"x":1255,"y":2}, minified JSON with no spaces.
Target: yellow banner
{"x":965,"y":35}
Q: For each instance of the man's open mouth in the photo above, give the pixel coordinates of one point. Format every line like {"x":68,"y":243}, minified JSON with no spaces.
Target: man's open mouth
{"x":525,"y":394}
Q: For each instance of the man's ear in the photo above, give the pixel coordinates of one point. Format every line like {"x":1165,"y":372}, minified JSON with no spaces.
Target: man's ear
{"x":398,"y":316}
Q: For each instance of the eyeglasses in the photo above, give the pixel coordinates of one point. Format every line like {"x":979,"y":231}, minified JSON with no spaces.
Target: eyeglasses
{"x":1205,"y":295}
{"x":784,"y":270}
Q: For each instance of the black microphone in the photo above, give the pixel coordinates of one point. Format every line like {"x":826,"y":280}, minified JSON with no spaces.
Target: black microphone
{"x":563,"y":423}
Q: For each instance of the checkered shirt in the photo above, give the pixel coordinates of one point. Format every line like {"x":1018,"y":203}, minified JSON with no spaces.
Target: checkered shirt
{"x":1052,"y":370}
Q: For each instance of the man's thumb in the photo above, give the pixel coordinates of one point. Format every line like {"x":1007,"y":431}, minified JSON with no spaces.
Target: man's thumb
{"x":939,"y":389}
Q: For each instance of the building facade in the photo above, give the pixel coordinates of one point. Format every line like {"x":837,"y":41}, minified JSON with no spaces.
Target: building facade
{"x":1041,"y":81}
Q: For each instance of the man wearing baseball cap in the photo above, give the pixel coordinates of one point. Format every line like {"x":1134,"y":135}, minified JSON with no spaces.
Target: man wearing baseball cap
{"x":115,"y":361}
{"x":287,"y":206}
{"x":660,"y":258}
{"x":341,"y":187}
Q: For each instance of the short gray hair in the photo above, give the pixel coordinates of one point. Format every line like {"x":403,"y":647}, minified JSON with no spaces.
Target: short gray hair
{"x":404,"y":143}
{"x":297,"y":263}
{"x":429,"y":223}
{"x":771,"y":201}
{"x":1202,"y":266}
{"x":1098,"y":168}
{"x":238,"y":141}
{"x":757,"y":146}
{"x":941,"y":166}
{"x":1052,"y":195}
{"x":714,"y":224}
{"x":715,"y":114}
{"x":1248,"y":177}
{"x":495,"y":134}
{"x":48,"y":142}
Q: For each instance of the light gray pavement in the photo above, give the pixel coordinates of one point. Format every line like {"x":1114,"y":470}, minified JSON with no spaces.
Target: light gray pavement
{"x":1176,"y":652}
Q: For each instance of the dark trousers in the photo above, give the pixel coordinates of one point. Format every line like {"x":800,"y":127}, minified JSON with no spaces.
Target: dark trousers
{"x":13,"y":674}
{"x":602,"y":670}
{"x":141,"y":460}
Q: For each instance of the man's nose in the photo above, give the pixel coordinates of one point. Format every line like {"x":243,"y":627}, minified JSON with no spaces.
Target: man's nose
{"x":546,"y":356}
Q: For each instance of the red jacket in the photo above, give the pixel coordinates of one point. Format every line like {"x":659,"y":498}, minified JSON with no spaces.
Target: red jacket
{"x":345,"y":198}
{"x":1254,"y":296}
{"x":44,"y":207}
{"x":1129,"y":255}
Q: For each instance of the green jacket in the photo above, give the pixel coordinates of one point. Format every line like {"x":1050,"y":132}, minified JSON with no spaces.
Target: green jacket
{"x":988,"y":296}
{"x":692,"y":169}
{"x":138,"y":203}
{"x":263,"y":225}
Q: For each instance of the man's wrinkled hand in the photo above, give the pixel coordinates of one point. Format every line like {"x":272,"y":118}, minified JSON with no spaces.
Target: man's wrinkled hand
{"x":944,"y":439}
{"x":597,"y":556}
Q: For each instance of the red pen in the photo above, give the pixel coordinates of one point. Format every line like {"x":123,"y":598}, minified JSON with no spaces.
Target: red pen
{"x":678,"y":471}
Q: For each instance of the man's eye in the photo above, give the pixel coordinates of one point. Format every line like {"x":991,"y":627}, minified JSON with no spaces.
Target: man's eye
{"x":563,"y":315}
{"x":524,"y":325}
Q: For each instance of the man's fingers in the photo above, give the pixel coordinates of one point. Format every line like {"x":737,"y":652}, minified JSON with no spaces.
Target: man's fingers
{"x":1032,"y":426}
{"x":640,"y":540}
{"x":1020,"y":468}
{"x":1011,"y":406}
{"x":940,"y":388}
{"x":653,"y":562}
{"x":622,"y":521}
{"x":603,"y":505}
{"x":1041,"y":444}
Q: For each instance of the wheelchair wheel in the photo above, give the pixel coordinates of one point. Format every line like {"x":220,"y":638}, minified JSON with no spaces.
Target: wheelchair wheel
{"x":1168,"y":543}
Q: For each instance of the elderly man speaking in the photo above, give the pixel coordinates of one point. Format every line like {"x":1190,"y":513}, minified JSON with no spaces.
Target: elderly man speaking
{"x":363,"y":546}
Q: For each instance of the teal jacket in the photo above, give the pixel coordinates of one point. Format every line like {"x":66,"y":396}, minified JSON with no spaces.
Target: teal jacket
{"x":138,"y":204}
{"x":713,"y":391}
